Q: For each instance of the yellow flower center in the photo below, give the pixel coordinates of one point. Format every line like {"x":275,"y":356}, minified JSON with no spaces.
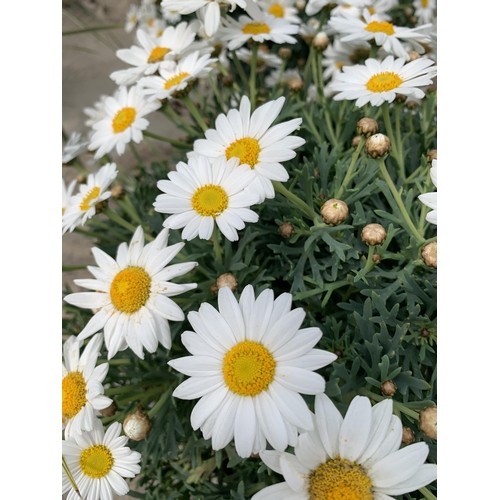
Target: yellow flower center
{"x":424,"y":3}
{"x":380,"y":27}
{"x":256,"y":28}
{"x":276,"y":10}
{"x":340,"y":479}
{"x":157,"y":54}
{"x":89,"y":197}
{"x":151,"y":20}
{"x":382,"y":82}
{"x":371,"y":10}
{"x":96,"y":461}
{"x":246,"y":149}
{"x":123,"y":119}
{"x":175,"y":80}
{"x":74,"y":394}
{"x":130,"y":289}
{"x":248,"y":368}
{"x":210,"y":200}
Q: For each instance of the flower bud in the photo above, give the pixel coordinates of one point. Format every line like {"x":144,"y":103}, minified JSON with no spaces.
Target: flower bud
{"x":408,"y":436}
{"x":286,"y":229}
{"x":377,"y":145}
{"x":400,"y":98}
{"x":427,"y":421}
{"x":334,"y":212}
{"x":300,"y":4}
{"x":213,"y":289}
{"x":80,"y":178}
{"x":425,"y":333}
{"x":413,"y":55}
{"x":227,"y":80}
{"x":376,"y":258}
{"x":285,"y":53}
{"x":100,"y":206}
{"x":373,"y":234}
{"x":117,"y":192}
{"x":367,"y":127}
{"x":295,"y":84}
{"x":320,"y":41}
{"x":411,"y":104}
{"x":429,"y":254}
{"x":338,"y":353}
{"x":355,"y":141}
{"x":432,"y":155}
{"x":388,"y":388}
{"x":137,"y":425}
{"x":109,"y":411}
{"x":227,"y":279}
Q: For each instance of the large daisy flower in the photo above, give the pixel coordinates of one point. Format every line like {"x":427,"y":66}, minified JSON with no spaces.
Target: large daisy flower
{"x":252,"y":139}
{"x":430,"y":199}
{"x":124,"y":121}
{"x":200,"y":195}
{"x":355,"y":457}
{"x":379,"y":81}
{"x":98,"y":462}
{"x":250,"y":362}
{"x":132,"y":294}
{"x":82,"y":206}
{"x":82,"y":390}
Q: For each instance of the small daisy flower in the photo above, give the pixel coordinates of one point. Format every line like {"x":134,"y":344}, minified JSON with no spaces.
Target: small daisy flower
{"x":425,"y":10}
{"x":252,"y":139}
{"x":335,"y":57}
{"x":82,"y":206}
{"x":171,"y":16}
{"x":131,"y":294}
{"x":200,"y":194}
{"x":98,"y":462}
{"x":430,"y":199}
{"x":82,"y":390}
{"x":283,"y":9}
{"x":282,"y":78}
{"x":176,"y":77}
{"x":98,"y":112}
{"x":355,"y":457}
{"x":74,"y":147}
{"x":131,"y":18}
{"x":265,"y":59}
{"x":379,"y":81}
{"x":124,"y":121}
{"x":147,"y":15}
{"x":250,"y":362}
{"x":66,"y":193}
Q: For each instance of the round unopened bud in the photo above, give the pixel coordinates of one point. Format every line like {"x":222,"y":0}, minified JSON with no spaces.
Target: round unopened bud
{"x":109,"y":411}
{"x":338,"y":353}
{"x":80,"y":178}
{"x":425,"y":333}
{"x":213,"y":289}
{"x":373,"y":234}
{"x":286,"y":229}
{"x":227,"y":279}
{"x":378,"y":145}
{"x":388,"y":388}
{"x":334,"y":212}
{"x":432,"y":155}
{"x":427,"y":421}
{"x":301,"y":61}
{"x":227,"y":80}
{"x":316,"y":173}
{"x":295,"y":84}
{"x":355,"y":141}
{"x":408,"y":11}
{"x":300,"y":4}
{"x":320,"y":41}
{"x":100,"y":206}
{"x":400,"y":98}
{"x":117,"y":192}
{"x":408,"y":436}
{"x":367,"y":127}
{"x":137,"y":425}
{"x":413,"y":19}
{"x":376,"y":258}
{"x":285,"y":53}
{"x":413,"y":55}
{"x":430,"y":254}
{"x":411,"y":104}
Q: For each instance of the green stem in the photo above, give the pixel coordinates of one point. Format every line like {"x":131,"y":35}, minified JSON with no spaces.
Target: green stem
{"x":321,"y":91}
{"x":350,"y":170}
{"x":239,"y":68}
{"x":253,"y":75}
{"x":427,"y":494}
{"x":173,"y":142}
{"x":93,"y":28}
{"x":176,"y":118}
{"x":216,"y":92}
{"x":400,"y":142}
{"x":190,"y":105}
{"x":135,"y":153}
{"x":217,"y":246}
{"x":156,"y":408}
{"x":301,"y":205}
{"x":122,"y":222}
{"x":313,"y":128}
{"x":390,"y":133}
{"x":67,"y":471}
{"x":363,"y":391}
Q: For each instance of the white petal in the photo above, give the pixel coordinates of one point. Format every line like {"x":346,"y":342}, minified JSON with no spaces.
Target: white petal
{"x":355,"y":429}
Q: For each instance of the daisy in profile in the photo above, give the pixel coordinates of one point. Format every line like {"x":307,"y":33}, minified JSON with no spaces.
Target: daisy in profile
{"x":200,"y":195}
{"x":283,"y":9}
{"x":82,"y":390}
{"x":355,"y":457}
{"x":377,"y":82}
{"x":252,"y":139}
{"x":98,"y":462}
{"x":430,"y":199}
{"x":82,"y":206}
{"x":131,"y":294}
{"x":124,"y":121}
{"x":250,"y":362}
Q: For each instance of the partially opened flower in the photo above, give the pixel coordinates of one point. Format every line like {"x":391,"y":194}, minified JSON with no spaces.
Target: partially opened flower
{"x":82,"y":390}
{"x":430,"y":199}
{"x":131,"y":294}
{"x":356,"y":457}
{"x":250,"y":362}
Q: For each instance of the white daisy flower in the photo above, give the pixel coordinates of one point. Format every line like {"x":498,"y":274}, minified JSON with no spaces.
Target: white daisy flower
{"x":310,"y":29}
{"x":380,"y":81}
{"x":250,"y":362}
{"x":252,"y":139}
{"x":430,"y":199}
{"x":284,"y":9}
{"x":314,"y":6}
{"x":425,"y":10}
{"x":355,"y":457}
{"x":66,"y":193}
{"x":74,"y":147}
{"x":82,"y":206}
{"x":147,"y":15}
{"x":82,"y":390}
{"x":131,"y":18}
{"x":175,"y":77}
{"x":98,"y":462}
{"x":124,"y":121}
{"x":283,"y":78}
{"x":98,"y":112}
{"x":265,"y":59}
{"x":171,"y":16}
{"x":131,"y":294}
{"x":200,"y":194}
{"x":335,"y":57}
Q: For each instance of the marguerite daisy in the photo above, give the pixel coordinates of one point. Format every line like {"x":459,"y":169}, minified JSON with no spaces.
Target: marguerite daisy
{"x":250,"y":362}
{"x":132,"y":294}
{"x":284,"y":9}
{"x":355,"y":457}
{"x":123,"y":122}
{"x":200,"y":195}
{"x":254,"y":142}
{"x":82,"y":390}
{"x":74,"y":147}
{"x":425,"y":10}
{"x":82,"y":206}
{"x":98,"y":462}
{"x":379,"y":81}
{"x":131,"y":18}
{"x":66,"y":193}
{"x":430,"y":199}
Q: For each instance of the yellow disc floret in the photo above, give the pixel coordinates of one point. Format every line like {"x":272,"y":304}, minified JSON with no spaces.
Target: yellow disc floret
{"x":276,"y":10}
{"x":175,"y":80}
{"x":255,"y":28}
{"x":248,"y":368}
{"x":383,"y":82}
{"x":424,"y":3}
{"x":340,"y":479}
{"x":74,"y":394}
{"x":96,"y":461}
{"x":246,"y":149}
{"x":380,"y":27}
{"x":157,"y":54}
{"x":91,"y":195}
{"x":123,"y":119}
{"x":210,"y":200}
{"x":130,"y":289}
